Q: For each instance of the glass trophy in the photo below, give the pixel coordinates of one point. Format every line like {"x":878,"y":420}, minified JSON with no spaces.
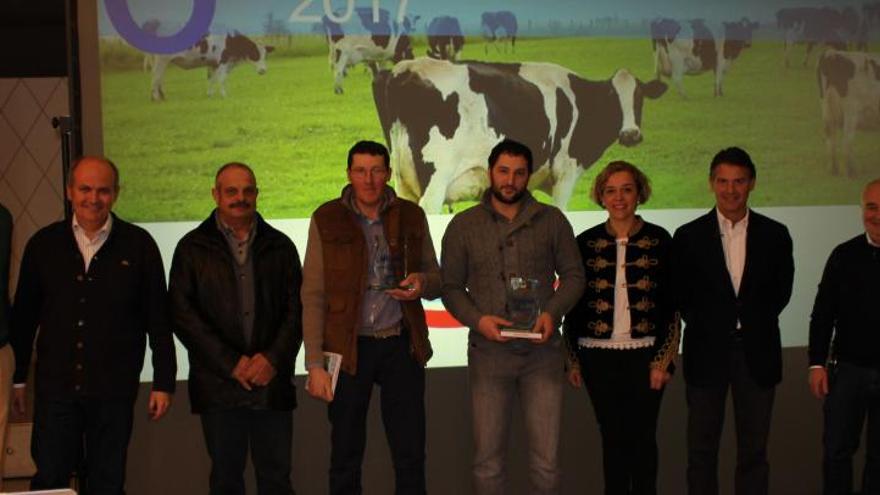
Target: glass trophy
{"x":523,"y":308}
{"x":386,"y":265}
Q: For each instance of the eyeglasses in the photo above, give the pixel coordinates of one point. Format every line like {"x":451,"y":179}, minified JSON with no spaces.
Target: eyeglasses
{"x":362,"y":173}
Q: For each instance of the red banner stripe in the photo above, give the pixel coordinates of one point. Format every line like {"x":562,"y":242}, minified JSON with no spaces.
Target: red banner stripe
{"x":438,"y":318}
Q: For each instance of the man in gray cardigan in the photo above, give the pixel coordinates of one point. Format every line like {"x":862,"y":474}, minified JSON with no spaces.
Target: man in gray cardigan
{"x":508,"y":240}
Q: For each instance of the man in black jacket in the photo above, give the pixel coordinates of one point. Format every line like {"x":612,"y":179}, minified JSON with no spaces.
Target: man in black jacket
{"x":235,"y":304}
{"x":733,"y":270}
{"x":845,"y":311}
{"x":95,"y":286}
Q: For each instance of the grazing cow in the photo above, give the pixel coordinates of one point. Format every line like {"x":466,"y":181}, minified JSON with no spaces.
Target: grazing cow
{"x":445,"y":39}
{"x":817,"y":25}
{"x":849,"y":93}
{"x":381,"y":41}
{"x":219,"y":54}
{"x":503,"y":21}
{"x":869,"y":25}
{"x":692,"y":48}
{"x":441,"y":120}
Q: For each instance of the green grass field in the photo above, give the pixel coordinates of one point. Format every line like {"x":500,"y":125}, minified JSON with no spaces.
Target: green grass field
{"x":290,"y":126}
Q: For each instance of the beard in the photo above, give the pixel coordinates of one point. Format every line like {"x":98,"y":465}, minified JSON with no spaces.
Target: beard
{"x":499,"y":195}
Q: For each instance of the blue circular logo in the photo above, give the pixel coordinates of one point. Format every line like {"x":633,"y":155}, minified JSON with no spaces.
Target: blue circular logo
{"x":197,"y":26}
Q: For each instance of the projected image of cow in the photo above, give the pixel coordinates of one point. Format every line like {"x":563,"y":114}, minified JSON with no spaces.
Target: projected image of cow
{"x":812,"y":26}
{"x":692,"y":48}
{"x":445,"y":38}
{"x":441,"y":82}
{"x":442,"y":120}
{"x":499,"y":28}
{"x":849,"y":93}
{"x":377,"y":42}
{"x":219,"y":54}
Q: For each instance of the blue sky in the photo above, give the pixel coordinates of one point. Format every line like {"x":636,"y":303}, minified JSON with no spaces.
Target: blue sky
{"x":249,"y":16}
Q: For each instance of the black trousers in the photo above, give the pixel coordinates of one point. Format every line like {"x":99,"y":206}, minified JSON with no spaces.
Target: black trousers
{"x":752,"y":407}
{"x":854,"y":395}
{"x":618,"y":383}
{"x":389,"y":364}
{"x":228,"y":435}
{"x":86,"y":434}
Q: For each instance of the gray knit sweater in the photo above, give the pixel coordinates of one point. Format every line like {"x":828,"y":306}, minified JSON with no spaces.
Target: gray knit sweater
{"x":481,"y":249}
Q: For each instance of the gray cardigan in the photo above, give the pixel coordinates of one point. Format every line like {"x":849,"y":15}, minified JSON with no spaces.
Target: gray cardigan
{"x":481,"y":249}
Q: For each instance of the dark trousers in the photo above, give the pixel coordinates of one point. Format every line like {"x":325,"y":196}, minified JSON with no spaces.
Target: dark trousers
{"x":85,"y":434}
{"x":618,"y":384}
{"x":388,"y":363}
{"x":854,"y":395}
{"x":752,"y":407}
{"x":268,"y":433}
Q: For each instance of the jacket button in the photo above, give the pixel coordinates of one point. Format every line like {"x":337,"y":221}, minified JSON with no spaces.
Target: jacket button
{"x":80,"y":323}
{"x":79,"y":345}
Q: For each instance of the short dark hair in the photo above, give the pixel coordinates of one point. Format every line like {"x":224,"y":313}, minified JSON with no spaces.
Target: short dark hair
{"x":102,"y":159}
{"x":369,"y":148}
{"x":511,"y":147}
{"x":229,"y":165}
{"x":643,"y":184}
{"x":733,"y":156}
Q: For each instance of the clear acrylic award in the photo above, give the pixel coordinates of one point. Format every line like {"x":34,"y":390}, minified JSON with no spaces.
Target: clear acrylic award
{"x":523,"y":308}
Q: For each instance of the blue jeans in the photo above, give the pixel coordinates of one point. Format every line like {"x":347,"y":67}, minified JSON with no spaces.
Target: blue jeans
{"x":853,"y":395}
{"x":497,"y":374}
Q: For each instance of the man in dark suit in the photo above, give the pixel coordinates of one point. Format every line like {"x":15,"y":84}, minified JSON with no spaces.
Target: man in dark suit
{"x":95,"y":287}
{"x":733,"y":271}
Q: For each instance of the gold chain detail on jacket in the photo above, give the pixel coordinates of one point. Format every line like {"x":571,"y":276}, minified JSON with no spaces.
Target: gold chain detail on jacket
{"x":643,"y":262}
{"x":599,"y":263}
{"x":644,"y":283}
{"x":645,"y":242}
{"x":599,"y":327}
{"x":643,"y":305}
{"x":669,"y":348}
{"x":643,"y":326}
{"x":600,"y":284}
{"x":599,"y":244}
{"x":600,"y":305}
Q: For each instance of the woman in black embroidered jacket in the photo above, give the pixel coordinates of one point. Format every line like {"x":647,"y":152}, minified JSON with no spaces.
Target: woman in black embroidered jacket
{"x":623,"y":333}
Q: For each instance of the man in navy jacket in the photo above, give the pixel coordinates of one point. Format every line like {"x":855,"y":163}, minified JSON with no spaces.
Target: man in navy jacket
{"x":733,"y":270}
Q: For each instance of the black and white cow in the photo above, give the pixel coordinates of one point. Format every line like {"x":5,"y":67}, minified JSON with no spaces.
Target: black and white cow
{"x":499,"y":26}
{"x":816,"y":26}
{"x":849,"y":94}
{"x":219,"y":54}
{"x":693,"y":48}
{"x":441,"y":120}
{"x":377,"y":42}
{"x":445,"y":38}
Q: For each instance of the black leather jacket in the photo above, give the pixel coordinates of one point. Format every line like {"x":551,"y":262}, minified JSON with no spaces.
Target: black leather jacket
{"x":206,"y":317}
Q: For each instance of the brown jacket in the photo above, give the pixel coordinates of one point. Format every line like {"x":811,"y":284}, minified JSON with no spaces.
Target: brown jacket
{"x":335,"y":277}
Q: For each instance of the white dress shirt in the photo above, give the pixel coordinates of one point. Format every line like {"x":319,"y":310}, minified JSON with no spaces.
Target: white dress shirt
{"x":88,"y":247}
{"x":733,"y":240}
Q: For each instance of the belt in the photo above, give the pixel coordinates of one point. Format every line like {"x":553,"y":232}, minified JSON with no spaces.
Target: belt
{"x":383,"y":333}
